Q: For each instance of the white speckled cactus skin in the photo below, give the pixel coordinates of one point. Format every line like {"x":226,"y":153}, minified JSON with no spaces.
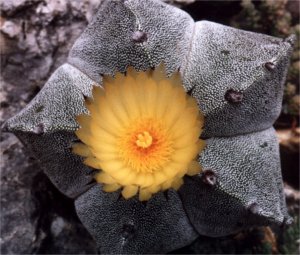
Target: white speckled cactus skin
{"x":237,"y":78}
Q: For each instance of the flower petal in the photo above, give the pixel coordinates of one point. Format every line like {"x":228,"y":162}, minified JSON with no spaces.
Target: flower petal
{"x":129,"y":191}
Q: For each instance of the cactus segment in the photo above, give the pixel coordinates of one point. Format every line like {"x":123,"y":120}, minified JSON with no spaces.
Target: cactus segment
{"x":131,"y":227}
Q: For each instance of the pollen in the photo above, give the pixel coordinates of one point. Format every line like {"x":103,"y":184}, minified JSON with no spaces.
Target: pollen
{"x":142,"y":133}
{"x":144,"y":140}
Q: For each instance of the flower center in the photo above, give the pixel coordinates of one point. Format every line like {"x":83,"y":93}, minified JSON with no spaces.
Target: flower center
{"x":142,"y":133}
{"x":145,"y":151}
{"x":144,"y":140}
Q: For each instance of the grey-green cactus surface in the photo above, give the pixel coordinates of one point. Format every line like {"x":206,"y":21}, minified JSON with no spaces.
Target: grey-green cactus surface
{"x":237,"y":78}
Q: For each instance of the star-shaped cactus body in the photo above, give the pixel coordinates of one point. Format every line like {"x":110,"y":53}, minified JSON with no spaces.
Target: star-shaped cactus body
{"x":237,"y":79}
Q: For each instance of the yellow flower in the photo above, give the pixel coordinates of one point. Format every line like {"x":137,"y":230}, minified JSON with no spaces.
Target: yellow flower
{"x":142,"y":133}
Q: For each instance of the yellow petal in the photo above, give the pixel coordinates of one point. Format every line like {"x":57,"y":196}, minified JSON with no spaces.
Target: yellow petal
{"x":112,"y":165}
{"x":100,"y":134}
{"x":175,"y":80}
{"x":104,"y":178}
{"x":201,"y":145}
{"x":103,"y":147}
{"x":107,"y":80}
{"x":116,"y":105}
{"x":171,"y":170}
{"x":81,"y":150}
{"x":140,"y":179}
{"x":184,"y":123}
{"x":186,"y":154}
{"x":107,"y":120}
{"x":194,"y":168}
{"x":159,"y":73}
{"x":192,"y":102}
{"x":129,"y":191}
{"x":111,"y":187}
{"x":182,"y":171}
{"x":159,"y":177}
{"x":92,"y":162}
{"x":167,"y":184}
{"x":154,"y":188}
{"x":131,"y":72}
{"x":120,"y":174}
{"x":151,"y":98}
{"x":98,"y":93}
{"x":187,"y":139}
{"x":119,"y":78}
{"x":175,"y":110}
{"x":84,"y":120}
{"x":149,"y":180}
{"x":164,"y":98}
{"x":176,"y":184}
{"x":129,"y":99}
{"x":144,"y":194}
{"x":84,"y":136}
{"x":130,"y":177}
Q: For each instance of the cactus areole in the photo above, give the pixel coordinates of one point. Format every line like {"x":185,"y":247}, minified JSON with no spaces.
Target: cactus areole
{"x":121,"y":121}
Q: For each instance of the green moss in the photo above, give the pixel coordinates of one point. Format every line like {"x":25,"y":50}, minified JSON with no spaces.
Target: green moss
{"x":291,"y":239}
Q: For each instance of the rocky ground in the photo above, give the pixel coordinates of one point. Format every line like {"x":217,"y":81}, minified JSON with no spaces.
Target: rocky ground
{"x":35,"y":38}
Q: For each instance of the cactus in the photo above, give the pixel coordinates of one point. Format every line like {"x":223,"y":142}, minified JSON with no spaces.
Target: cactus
{"x":237,"y":79}
{"x":278,"y":18}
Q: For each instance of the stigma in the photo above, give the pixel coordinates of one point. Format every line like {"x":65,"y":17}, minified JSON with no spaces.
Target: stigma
{"x":144,"y":140}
